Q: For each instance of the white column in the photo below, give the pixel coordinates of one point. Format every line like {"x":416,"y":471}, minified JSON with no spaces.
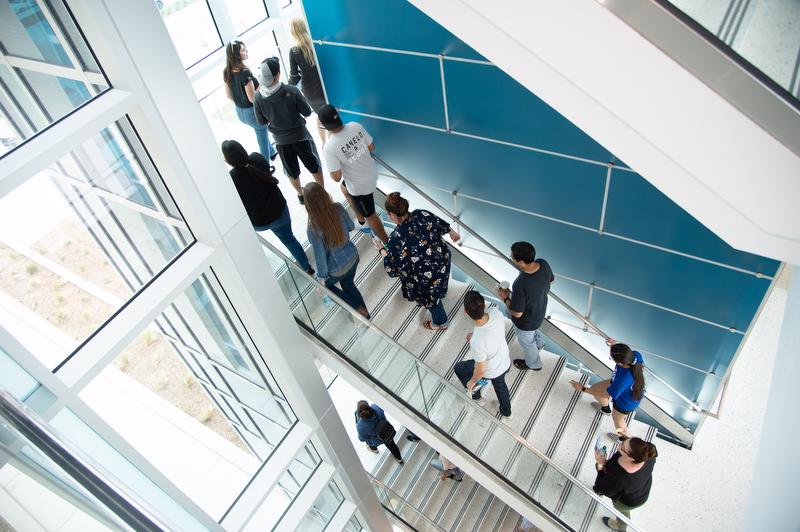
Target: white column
{"x":773,"y":490}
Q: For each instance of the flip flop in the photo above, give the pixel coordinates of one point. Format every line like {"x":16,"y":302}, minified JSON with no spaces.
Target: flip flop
{"x":431,"y":327}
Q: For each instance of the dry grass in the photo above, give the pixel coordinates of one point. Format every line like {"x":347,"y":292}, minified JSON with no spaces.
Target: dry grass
{"x":149,"y":359}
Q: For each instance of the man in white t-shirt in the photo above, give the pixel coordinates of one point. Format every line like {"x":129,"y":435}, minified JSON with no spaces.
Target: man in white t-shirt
{"x":489,"y":350}
{"x":347,"y":155}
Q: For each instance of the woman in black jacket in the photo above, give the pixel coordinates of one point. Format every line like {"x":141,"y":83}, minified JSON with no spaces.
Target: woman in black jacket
{"x":626,"y":477}
{"x":265,"y":205}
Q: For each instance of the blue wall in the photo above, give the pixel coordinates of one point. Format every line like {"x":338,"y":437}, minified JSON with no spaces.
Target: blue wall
{"x":567,"y":185}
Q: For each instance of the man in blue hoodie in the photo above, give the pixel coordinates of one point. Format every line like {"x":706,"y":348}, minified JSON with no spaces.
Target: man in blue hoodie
{"x":284,"y":108}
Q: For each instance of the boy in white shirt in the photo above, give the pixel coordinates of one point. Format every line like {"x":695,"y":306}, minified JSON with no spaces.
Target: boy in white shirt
{"x":489,"y":350}
{"x":347,"y":155}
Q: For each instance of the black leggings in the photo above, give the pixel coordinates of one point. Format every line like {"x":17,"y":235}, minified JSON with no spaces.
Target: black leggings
{"x":393,"y":448}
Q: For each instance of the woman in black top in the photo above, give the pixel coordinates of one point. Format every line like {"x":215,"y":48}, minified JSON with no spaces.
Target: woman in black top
{"x":626,"y":477}
{"x":262,"y":199}
{"x":240,"y":87}
{"x":303,"y":69}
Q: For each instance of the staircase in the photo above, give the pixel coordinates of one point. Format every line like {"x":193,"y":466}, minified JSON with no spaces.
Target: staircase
{"x":448,"y":505}
{"x":547,"y":413}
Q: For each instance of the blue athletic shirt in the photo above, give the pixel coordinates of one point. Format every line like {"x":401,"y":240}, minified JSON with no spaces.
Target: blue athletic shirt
{"x":621,"y":389}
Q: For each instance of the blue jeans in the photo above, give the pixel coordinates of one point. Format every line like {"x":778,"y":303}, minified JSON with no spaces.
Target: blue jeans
{"x":464,"y":371}
{"x":348,"y":291}
{"x":531,"y":343}
{"x":456,"y":471}
{"x":248,"y":116}
{"x":438,"y":314}
{"x":282,"y":227}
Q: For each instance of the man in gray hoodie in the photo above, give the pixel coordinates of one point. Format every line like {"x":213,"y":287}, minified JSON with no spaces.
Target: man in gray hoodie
{"x":283,"y":108}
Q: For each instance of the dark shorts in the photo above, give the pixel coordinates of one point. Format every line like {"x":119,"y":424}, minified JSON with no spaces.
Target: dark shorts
{"x":304,"y":151}
{"x":365,"y":205}
{"x":623,"y":412}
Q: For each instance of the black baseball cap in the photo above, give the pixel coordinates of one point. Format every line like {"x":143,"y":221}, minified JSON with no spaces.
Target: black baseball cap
{"x":329,"y":117}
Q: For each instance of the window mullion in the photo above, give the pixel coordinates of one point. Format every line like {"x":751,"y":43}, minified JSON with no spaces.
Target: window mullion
{"x":51,"y":144}
{"x":114,"y":336}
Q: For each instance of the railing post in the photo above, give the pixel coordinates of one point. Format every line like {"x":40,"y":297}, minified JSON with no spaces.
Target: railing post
{"x":457,"y":217}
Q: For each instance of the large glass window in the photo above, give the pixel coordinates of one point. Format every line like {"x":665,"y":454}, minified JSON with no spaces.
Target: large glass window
{"x":245,"y":14}
{"x":81,"y":437}
{"x":48,"y":70}
{"x":323,"y":509}
{"x":289,"y":486}
{"x":191,"y":27}
{"x":80,"y":238}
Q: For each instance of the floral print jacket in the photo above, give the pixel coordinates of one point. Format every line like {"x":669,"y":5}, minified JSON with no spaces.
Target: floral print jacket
{"x":420,"y":258}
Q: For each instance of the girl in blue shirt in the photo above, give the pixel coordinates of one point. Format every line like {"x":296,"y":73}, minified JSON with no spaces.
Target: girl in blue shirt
{"x":625,"y":388}
{"x":335,"y":255}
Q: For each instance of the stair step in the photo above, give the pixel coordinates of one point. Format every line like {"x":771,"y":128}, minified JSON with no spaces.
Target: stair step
{"x":494,"y":515}
{"x":468,"y":498}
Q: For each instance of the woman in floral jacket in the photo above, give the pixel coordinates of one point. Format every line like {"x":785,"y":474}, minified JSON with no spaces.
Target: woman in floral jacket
{"x":417,"y":255}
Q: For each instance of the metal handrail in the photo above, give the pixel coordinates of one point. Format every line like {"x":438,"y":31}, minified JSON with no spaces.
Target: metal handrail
{"x":691,"y":404}
{"x":125,"y":507}
{"x":416,"y":510}
{"x":499,"y":425}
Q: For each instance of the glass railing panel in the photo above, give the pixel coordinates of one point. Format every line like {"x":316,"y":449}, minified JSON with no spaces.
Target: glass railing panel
{"x":764,"y":34}
{"x":397,"y":507}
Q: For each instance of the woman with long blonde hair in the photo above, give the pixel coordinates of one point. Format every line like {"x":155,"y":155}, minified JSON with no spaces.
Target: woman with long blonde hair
{"x":336,"y":256}
{"x":303,"y":69}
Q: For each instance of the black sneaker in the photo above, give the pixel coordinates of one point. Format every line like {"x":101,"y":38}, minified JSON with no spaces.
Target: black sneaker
{"x":310,"y":271}
{"x":519,"y":363}
{"x":301,"y":199}
{"x":606,"y":410}
{"x":412,"y":437}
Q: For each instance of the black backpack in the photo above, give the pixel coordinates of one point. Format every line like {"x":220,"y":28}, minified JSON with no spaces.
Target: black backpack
{"x":384,"y":431}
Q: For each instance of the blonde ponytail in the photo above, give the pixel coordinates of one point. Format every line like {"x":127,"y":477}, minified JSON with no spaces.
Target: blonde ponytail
{"x":302,"y":39}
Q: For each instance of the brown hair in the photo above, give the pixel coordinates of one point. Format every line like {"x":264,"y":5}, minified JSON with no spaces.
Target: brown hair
{"x":396,"y":204}
{"x":323,"y":216}
{"x":233,"y":61}
{"x":363,"y":410}
{"x":622,"y":354}
{"x":641,"y":451}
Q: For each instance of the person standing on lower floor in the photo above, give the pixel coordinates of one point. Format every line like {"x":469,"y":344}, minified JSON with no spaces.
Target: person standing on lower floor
{"x":527,"y":302}
{"x":348,"y":156}
{"x":283,"y":108}
{"x":241,"y":87}
{"x":626,"y":478}
{"x":265,"y":205}
{"x":335,"y":255}
{"x":490,"y":351}
{"x":370,"y":423}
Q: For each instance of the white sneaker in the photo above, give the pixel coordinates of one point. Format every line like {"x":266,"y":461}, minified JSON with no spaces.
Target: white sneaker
{"x":504,"y":418}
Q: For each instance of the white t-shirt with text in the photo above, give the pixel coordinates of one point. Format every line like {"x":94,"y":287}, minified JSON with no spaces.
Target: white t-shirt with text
{"x":488,"y":344}
{"x":347,"y":150}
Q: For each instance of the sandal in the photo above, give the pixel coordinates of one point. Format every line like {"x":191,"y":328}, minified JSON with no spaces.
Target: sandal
{"x":428,"y":324}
